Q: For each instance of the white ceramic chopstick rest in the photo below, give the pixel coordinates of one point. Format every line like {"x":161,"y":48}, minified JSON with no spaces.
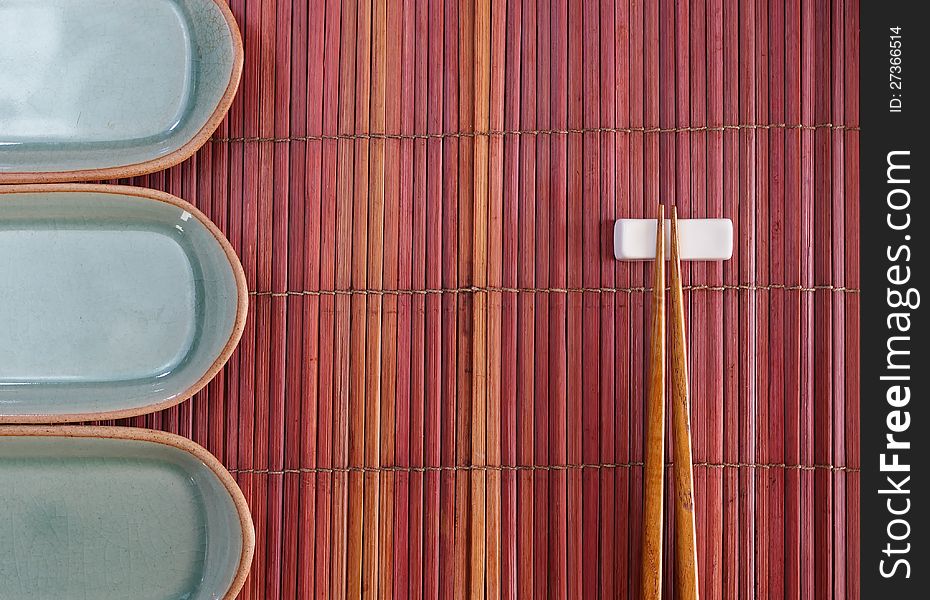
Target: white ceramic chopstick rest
{"x":699,"y":239}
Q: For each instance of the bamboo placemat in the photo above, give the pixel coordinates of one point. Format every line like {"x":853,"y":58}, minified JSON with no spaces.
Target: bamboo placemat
{"x":439,"y":391}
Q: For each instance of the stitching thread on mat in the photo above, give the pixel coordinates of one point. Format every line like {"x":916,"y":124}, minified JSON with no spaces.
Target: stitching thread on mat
{"x":567,"y":467}
{"x":532,"y":132}
{"x":597,"y":290}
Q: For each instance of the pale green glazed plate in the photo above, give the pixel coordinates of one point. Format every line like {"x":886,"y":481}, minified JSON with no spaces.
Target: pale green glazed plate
{"x":129,"y":513}
{"x":99,"y":89}
{"x":114,"y":301}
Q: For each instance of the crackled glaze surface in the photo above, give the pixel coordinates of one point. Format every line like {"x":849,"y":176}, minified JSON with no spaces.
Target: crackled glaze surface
{"x":112,"y":518}
{"x":109,"y":302}
{"x":123,"y":304}
{"x":95,"y":84}
{"x":78,"y":53}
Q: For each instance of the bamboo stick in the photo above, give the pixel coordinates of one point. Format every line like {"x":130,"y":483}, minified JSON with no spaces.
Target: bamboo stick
{"x":762,"y":219}
{"x":792,"y":276}
{"x":278,"y":256}
{"x":852,"y":207}
{"x":590,"y":205}
{"x":349,"y":353}
{"x":479,"y":367}
{"x":541,"y":445}
{"x":433,"y":320}
{"x":822,"y":350}
{"x":575,"y":156}
{"x":526,"y":304}
{"x":495,"y":277}
{"x":731,"y":435}
{"x":263,"y":511}
{"x":808,"y":85}
{"x":702,"y":378}
{"x":373,"y":523}
{"x":300,"y":409}
{"x":770,"y":226}
{"x":416,"y":39}
{"x":450,"y":305}
{"x":623,"y":392}
{"x":744,"y":209}
{"x":654,"y":455}
{"x":509,"y":201}
{"x":607,"y":550}
{"x":464,"y":516}
{"x":686,"y":576}
{"x":394,"y":343}
{"x":410,"y":223}
{"x":325,"y":545}
{"x":836,"y":274}
{"x":558,"y":360}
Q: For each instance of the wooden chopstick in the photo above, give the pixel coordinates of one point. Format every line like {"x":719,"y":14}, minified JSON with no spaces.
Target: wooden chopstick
{"x":654,"y":458}
{"x":685,"y":548}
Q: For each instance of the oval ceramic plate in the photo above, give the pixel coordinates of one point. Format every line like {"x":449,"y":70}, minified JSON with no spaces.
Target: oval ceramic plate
{"x":97,"y":89}
{"x":114,"y":301}
{"x":115,"y":513}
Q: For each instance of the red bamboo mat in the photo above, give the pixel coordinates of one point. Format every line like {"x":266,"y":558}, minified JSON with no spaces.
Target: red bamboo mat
{"x":439,"y":391}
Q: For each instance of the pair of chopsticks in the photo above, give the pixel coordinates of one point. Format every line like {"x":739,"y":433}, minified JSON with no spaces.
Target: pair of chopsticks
{"x":685,"y":548}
